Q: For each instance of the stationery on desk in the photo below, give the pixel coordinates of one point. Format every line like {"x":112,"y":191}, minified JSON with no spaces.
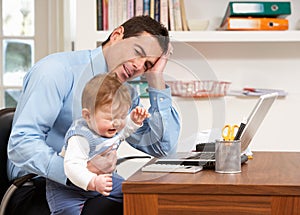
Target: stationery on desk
{"x":250,"y":91}
{"x":233,"y":132}
{"x":229,"y":132}
{"x":241,"y":129}
{"x":256,"y":92}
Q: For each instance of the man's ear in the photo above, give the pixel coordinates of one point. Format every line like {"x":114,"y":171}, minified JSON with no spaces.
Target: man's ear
{"x":117,"y":34}
{"x":86,"y":114}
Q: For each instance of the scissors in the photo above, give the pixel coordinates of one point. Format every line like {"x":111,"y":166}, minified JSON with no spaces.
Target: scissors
{"x":229,"y":132}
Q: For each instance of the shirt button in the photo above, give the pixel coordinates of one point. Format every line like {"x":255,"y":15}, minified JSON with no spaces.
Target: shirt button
{"x":161,"y":99}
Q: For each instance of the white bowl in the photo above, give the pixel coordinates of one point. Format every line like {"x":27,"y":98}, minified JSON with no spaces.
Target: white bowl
{"x":198,"y":24}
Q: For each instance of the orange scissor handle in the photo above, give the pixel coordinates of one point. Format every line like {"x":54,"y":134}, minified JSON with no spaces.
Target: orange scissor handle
{"x":229,"y":132}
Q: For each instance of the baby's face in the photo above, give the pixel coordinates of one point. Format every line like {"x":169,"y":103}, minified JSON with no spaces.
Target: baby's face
{"x":107,"y":122}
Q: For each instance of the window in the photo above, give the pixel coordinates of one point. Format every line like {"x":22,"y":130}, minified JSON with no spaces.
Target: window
{"x":28,"y":32}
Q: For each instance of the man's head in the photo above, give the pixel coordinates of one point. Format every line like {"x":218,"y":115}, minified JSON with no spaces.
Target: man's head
{"x":138,"y":25}
{"x":135,"y":46}
{"x":105,"y":104}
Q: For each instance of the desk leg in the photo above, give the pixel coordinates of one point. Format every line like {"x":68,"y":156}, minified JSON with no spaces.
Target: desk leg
{"x":137,"y":204}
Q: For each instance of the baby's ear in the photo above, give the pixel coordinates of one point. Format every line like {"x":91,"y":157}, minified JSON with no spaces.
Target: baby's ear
{"x":86,"y":114}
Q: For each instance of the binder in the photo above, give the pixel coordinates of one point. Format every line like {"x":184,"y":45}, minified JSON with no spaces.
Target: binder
{"x":257,"y":9}
{"x":241,"y":23}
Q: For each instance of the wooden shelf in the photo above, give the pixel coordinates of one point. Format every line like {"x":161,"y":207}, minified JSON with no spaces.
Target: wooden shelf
{"x":225,"y":36}
{"x":236,"y":36}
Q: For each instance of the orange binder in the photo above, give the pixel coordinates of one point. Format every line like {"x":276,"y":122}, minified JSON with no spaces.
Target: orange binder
{"x":256,"y":24}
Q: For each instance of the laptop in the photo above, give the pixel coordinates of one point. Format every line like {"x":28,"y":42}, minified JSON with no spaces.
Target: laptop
{"x":207,"y":158}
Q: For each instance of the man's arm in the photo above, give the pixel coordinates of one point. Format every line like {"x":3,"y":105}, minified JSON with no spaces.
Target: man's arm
{"x":159,"y":134}
{"x":37,"y":111}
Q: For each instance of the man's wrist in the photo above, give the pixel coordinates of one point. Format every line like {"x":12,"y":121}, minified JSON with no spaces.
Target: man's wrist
{"x":155,"y":80}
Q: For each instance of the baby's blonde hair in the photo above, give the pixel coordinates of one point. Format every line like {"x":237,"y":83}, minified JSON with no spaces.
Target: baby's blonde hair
{"x":105,"y":89}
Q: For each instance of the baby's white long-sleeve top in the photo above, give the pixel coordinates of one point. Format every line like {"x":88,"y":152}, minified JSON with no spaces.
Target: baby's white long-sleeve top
{"x":76,"y":155}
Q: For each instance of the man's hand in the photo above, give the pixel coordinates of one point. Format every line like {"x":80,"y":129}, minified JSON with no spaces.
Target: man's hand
{"x":154,"y":75}
{"x":138,"y":115}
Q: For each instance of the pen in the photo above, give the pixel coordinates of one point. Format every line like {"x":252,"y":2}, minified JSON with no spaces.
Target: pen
{"x":252,"y":90}
{"x":241,"y":129}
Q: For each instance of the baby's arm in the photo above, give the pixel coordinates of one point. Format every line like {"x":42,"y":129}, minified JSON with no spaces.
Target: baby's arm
{"x":133,"y":122}
{"x":138,"y":115}
{"x":75,"y":162}
{"x":101,"y":183}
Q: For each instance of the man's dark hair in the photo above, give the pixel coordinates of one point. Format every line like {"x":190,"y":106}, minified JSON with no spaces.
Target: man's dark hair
{"x":140,"y":24}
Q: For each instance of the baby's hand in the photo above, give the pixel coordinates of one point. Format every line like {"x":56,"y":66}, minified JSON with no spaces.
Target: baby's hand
{"x":138,"y":115}
{"x":103,"y":184}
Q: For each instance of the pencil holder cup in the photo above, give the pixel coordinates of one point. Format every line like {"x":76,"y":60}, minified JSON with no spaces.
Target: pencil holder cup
{"x":228,"y":156}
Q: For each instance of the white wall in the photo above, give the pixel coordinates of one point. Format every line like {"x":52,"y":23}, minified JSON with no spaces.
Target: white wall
{"x":260,"y":65}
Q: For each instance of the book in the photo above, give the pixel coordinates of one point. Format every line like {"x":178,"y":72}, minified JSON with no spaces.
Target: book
{"x":257,"y":9}
{"x":183,"y":16}
{"x":164,"y":13}
{"x":105,"y":14}
{"x":146,"y":8}
{"x":99,"y":15}
{"x":123,"y":11}
{"x":139,"y":7}
{"x":112,"y":14}
{"x":241,"y":23}
{"x":152,"y":8}
{"x":171,"y":15}
{"x":130,"y":9}
{"x":157,"y":10}
{"x":177,"y":15}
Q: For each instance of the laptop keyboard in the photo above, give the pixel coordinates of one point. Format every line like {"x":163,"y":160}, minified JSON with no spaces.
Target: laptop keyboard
{"x":171,"y":168}
{"x":203,"y":156}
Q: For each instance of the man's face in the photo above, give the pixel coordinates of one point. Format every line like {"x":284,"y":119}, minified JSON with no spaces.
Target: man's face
{"x":132,"y":57}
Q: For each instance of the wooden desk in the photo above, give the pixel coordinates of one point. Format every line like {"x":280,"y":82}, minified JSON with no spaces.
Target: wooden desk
{"x":268,"y":184}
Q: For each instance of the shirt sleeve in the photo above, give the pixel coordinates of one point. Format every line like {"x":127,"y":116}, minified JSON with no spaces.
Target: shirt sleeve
{"x":75,"y":162}
{"x":130,"y":127}
{"x":159,"y":134}
{"x":45,"y":88}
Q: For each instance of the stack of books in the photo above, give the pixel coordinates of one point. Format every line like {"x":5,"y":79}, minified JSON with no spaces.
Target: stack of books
{"x":112,"y":13}
{"x":256,"y":15}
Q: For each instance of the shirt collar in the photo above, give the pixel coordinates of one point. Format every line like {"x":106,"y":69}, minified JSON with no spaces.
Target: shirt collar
{"x":98,"y":61}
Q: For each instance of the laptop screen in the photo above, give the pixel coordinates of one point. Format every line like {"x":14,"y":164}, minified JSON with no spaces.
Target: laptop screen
{"x":256,"y":117}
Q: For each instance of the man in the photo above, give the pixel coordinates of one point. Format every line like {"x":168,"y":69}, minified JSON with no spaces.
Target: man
{"x":50,"y":101}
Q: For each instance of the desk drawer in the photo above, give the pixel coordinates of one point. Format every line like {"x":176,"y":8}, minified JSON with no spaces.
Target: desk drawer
{"x":187,"y":204}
